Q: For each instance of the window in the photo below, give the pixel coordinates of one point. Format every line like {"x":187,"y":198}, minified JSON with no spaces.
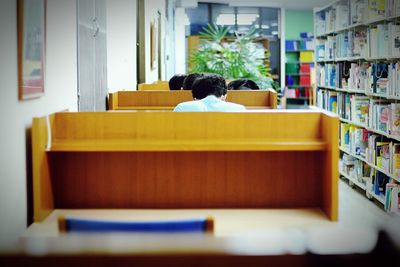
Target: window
{"x":240,"y":19}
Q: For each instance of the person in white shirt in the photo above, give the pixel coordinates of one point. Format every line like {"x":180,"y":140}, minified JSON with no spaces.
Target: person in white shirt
{"x":209,"y":94}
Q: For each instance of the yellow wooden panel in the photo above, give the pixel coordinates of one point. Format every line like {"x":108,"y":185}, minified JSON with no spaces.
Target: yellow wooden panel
{"x":330,"y":133}
{"x":251,"y":97}
{"x":159,"y":99}
{"x":187,"y":160}
{"x":188,"y":145}
{"x":153,"y":98}
{"x":43,"y":201}
{"x":153,"y":86}
{"x":269,"y":127}
{"x":112,"y":101}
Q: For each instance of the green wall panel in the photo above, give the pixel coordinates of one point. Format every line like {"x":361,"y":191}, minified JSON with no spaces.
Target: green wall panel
{"x":297,"y":21}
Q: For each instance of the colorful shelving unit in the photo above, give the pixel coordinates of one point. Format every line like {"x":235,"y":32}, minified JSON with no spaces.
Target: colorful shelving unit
{"x":299,"y":62}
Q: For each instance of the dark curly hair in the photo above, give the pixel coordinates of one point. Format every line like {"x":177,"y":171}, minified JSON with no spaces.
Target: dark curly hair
{"x":209,"y":85}
{"x":176,"y":82}
{"x":189,"y":80}
{"x":243,"y":84}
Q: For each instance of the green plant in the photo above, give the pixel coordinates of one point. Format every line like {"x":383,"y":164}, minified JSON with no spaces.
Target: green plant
{"x":232,"y":58}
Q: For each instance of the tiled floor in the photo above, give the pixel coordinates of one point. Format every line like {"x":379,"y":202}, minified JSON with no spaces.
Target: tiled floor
{"x":356,"y":210}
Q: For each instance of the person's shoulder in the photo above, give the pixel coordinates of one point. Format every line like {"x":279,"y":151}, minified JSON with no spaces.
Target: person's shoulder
{"x":188,"y":106}
{"x":235,"y":106}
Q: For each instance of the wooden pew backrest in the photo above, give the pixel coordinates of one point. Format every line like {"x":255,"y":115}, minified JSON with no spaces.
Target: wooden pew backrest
{"x":164,"y":86}
{"x":271,"y":159}
{"x":167,"y":100}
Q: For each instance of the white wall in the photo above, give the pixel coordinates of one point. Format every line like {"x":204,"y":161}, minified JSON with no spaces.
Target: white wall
{"x":16,"y":116}
{"x":180,"y":41}
{"x":121,"y":44}
{"x":151,"y":12}
{"x":170,"y":40}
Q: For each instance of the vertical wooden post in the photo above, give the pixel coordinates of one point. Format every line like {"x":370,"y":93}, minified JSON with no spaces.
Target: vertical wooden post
{"x":330,"y":133}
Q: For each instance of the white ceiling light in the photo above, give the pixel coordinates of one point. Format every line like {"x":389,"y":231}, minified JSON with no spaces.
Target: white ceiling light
{"x":226,"y":19}
{"x":274,"y":32}
{"x":242,"y":19}
{"x":265,"y":27}
{"x":246,"y":19}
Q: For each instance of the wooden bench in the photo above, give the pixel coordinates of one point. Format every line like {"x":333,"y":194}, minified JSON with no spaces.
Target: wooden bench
{"x":163,"y":160}
{"x":160,"y":85}
{"x":167,"y":100}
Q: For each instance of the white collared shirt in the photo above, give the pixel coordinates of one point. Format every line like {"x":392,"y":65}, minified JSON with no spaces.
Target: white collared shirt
{"x":209,"y":103}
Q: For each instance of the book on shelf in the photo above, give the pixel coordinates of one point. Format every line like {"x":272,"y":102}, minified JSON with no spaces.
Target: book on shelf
{"x":360,"y":109}
{"x":393,"y":8}
{"x":376,"y":9}
{"x":394,"y":39}
{"x":358,"y":11}
{"x":360,"y":44}
{"x":378,"y":78}
{"x":393,"y":86}
{"x":306,"y":56}
{"x":343,"y":45}
{"x":320,"y":49}
{"x":320,"y":22}
{"x":382,"y":155}
{"x":379,"y":115}
{"x":394,"y":119}
{"x":358,"y":78}
{"x":370,"y":151}
{"x":378,"y":40}
{"x":344,"y":135}
{"x":379,"y":181}
{"x":341,"y":15}
{"x":362,"y":171}
{"x":395,"y":164}
{"x":291,"y":45}
{"x":330,"y":48}
{"x":392,"y":199}
{"x":358,"y":140}
{"x":332,"y":102}
{"x":330,"y":17}
{"x":306,"y":43}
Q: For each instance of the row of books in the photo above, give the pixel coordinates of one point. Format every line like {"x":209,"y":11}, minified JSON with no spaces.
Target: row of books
{"x":392,"y":200}
{"x":299,"y":45}
{"x":297,"y":92}
{"x":378,"y":41}
{"x":349,"y":12}
{"x":356,"y":169}
{"x":377,"y":150}
{"x":372,"y":180}
{"x":376,"y":78}
{"x":379,"y":115}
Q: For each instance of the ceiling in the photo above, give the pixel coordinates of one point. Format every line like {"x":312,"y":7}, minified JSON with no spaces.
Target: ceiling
{"x":291,"y":4}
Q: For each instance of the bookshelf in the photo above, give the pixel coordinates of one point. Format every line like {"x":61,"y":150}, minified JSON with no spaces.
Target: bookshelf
{"x":299,"y":60}
{"x":357,"y":55}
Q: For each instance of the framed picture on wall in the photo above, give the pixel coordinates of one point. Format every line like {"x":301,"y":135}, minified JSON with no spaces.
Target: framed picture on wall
{"x":31,"y":48}
{"x":153,"y":45}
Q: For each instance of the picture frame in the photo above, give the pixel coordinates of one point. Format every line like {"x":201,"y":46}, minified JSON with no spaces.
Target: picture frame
{"x":31,"y":48}
{"x":153,"y":45}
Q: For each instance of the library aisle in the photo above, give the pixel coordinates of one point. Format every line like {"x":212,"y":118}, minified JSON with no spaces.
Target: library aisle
{"x":355,"y":209}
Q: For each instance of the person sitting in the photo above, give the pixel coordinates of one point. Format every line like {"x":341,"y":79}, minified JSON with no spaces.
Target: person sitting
{"x":209,"y":94}
{"x":189,"y":80}
{"x":176,"y":82}
{"x":243,"y":84}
